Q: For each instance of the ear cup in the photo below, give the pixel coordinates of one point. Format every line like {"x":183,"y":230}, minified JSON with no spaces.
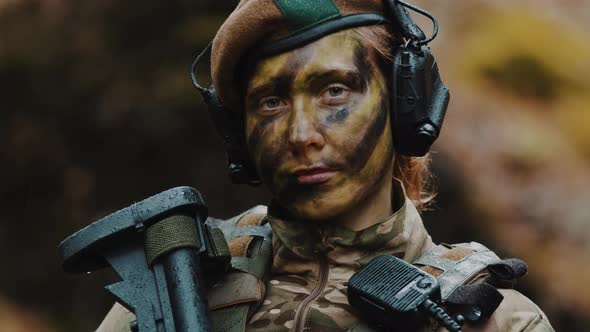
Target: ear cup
{"x":241,"y":169}
{"x":419,"y":100}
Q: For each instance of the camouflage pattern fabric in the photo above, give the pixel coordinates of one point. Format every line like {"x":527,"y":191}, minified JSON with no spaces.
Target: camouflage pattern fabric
{"x":313,"y":262}
{"x":307,"y":290}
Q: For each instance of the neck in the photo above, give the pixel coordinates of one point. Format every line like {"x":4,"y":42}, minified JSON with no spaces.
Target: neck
{"x":374,"y":208}
{"x":296,"y":241}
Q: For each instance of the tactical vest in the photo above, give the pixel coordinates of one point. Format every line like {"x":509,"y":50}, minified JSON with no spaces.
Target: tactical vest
{"x":469,"y":274}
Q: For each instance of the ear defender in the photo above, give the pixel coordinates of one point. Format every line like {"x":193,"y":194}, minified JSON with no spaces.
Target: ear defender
{"x":240,"y":169}
{"x":418,"y":97}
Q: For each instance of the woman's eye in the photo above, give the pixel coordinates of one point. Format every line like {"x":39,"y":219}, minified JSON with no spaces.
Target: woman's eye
{"x":272,"y":102}
{"x":271,"y":105}
{"x":335,"y":94}
{"x":335,"y":91}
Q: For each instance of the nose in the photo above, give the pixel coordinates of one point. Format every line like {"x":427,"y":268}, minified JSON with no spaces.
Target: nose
{"x":304,"y":135}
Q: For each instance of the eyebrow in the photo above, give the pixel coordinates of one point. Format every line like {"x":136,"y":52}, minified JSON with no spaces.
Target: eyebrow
{"x":352,"y":77}
{"x":276,"y":85}
{"x":280,"y":85}
{"x":283,"y":83}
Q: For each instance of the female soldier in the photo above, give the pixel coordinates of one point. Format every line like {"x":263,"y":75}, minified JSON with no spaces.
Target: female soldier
{"x":315,"y":119}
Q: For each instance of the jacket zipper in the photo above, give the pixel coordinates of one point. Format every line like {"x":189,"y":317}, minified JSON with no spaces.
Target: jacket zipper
{"x":303,"y":308}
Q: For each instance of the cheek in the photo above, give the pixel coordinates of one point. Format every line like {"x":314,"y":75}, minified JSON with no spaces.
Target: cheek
{"x":359,"y":134}
{"x":381,"y":157}
{"x":338,"y":116}
{"x":256,"y":132}
{"x":266,"y":141}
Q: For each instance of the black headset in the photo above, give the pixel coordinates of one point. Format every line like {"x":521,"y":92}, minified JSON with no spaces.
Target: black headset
{"x":418,"y":96}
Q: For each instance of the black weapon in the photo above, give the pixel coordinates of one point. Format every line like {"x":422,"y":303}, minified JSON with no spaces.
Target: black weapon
{"x":395,"y":295}
{"x":155,"y":247}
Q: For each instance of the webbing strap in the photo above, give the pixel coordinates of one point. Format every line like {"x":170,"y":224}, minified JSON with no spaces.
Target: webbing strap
{"x":438,"y":262}
{"x":171,"y":233}
{"x":234,"y":316}
{"x":263,"y":231}
{"x":456,"y":273}
{"x":218,"y":246}
{"x":475,"y":246}
{"x":233,"y":288}
{"x":464,"y":270}
{"x":256,"y":265}
{"x":483,"y":296}
{"x":229,"y":319}
{"x":509,"y":269}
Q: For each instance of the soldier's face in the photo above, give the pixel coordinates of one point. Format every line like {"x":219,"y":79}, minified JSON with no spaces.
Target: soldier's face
{"x":317,"y":126}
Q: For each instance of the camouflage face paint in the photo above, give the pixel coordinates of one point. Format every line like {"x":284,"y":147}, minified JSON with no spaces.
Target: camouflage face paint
{"x":338,"y":116}
{"x":317,"y":126}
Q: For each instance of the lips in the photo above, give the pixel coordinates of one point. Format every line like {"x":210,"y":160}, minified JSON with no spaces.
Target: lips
{"x":313,"y":175}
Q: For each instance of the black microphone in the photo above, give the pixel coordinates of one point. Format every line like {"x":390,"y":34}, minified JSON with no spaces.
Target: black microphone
{"x":395,"y":294}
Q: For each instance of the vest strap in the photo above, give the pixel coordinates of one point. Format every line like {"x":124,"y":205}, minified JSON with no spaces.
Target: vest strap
{"x":257,"y":265}
{"x":435,"y":261}
{"x":457,"y":264}
{"x":476,"y":301}
{"x":216,"y":244}
{"x":262,"y":231}
{"x":468,"y":274}
{"x":463,"y":271}
{"x":240,"y":293}
{"x":234,"y":288}
{"x":230,"y":319}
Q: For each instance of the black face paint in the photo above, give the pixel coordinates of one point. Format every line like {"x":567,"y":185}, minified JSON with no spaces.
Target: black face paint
{"x":365,"y":145}
{"x":338,"y":116}
{"x":270,"y":160}
{"x":282,"y":84}
{"x":361,"y":61}
{"x":279,"y":86}
{"x":270,"y":154}
{"x":294,"y":193}
{"x":257,"y":133}
{"x":355,"y":144}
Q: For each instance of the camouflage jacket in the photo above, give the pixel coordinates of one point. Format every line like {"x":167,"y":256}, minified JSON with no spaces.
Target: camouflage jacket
{"x":311,"y":265}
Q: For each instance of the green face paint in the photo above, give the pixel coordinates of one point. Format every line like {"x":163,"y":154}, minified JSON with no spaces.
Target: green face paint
{"x":317,"y":126}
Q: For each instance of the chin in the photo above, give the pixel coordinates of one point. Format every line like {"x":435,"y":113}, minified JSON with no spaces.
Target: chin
{"x":319,"y":209}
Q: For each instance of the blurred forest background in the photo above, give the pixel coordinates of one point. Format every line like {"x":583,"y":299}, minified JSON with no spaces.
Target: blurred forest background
{"x":97,"y":111}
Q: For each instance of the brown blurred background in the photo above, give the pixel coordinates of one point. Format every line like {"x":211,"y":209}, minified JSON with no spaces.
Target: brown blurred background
{"x":97,"y":111}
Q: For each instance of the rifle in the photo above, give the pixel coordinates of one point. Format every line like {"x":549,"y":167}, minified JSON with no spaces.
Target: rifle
{"x":156,"y":247}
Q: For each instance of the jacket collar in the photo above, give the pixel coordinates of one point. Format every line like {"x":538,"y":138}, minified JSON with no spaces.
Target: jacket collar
{"x":298,"y":242}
